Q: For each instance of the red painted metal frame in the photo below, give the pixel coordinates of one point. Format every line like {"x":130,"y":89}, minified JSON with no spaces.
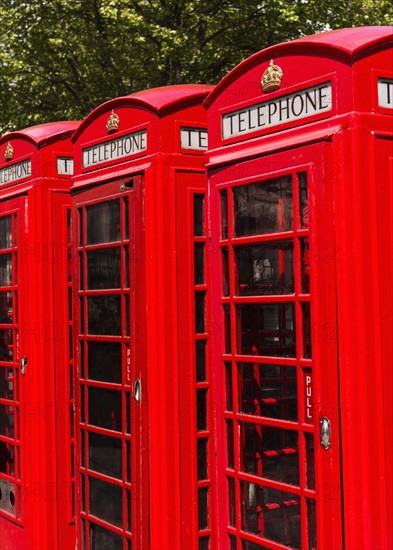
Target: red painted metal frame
{"x":351,"y":201}
{"x":166,"y":518}
{"x":42,"y":337}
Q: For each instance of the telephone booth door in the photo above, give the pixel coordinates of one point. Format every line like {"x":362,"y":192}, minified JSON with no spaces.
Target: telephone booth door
{"x":11,"y":416}
{"x":110,"y":385}
{"x":278,"y":365}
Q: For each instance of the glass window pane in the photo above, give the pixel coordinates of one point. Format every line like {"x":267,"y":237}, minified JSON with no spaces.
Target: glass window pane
{"x":225,"y":271}
{"x":267,"y":329}
{"x":303,"y":197}
{"x":230,"y":444}
{"x":264,"y":269}
{"x":199,"y":312}
{"x":265,"y":511}
{"x":105,"y":455}
{"x":203,"y":511}
{"x":200,"y":360}
{"x":103,"y":268}
{"x":269,"y":452}
{"x":5,"y":269}
{"x":224,"y":214}
{"x":201,"y":410}
{"x":202,"y":458}
{"x":103,"y":222}
{"x":268,"y":390}
{"x":227,"y":329}
{"x":305,"y":266}
{"x":228,"y":386}
{"x":311,"y":520}
{"x":6,"y":345}
{"x":263,"y":207}
{"x":310,"y":466}
{"x":232,"y":501}
{"x":101,"y":538}
{"x":104,"y":315}
{"x":198,"y":215}
{"x":105,"y":408}
{"x":5,"y":232}
{"x":199,"y":264}
{"x":104,"y":361}
{"x":307,"y":345}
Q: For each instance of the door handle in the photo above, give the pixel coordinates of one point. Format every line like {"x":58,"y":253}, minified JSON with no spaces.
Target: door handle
{"x":23,"y":365}
{"x":137,"y":390}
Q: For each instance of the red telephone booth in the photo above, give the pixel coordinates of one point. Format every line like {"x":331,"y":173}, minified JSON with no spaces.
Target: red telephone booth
{"x":300,"y":167}
{"x":36,"y":438}
{"x":138,"y":217}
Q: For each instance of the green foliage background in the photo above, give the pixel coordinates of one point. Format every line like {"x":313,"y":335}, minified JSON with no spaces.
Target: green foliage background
{"x":60,"y":59}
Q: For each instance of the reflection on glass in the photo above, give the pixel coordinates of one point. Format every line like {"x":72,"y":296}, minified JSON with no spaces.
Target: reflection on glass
{"x":105,"y":455}
{"x":103,"y":268}
{"x":268,"y":390}
{"x":225,"y":271}
{"x":267,"y":329}
{"x":202,"y":458}
{"x":305,"y":266}
{"x":306,"y":330}
{"x":100,"y":537}
{"x":199,"y":264}
{"x":269,"y":452}
{"x":311,"y":519}
{"x":105,"y":408}
{"x":201,"y":410}
{"x":104,"y":361}
{"x":310,"y":467}
{"x":7,"y":420}
{"x":103,"y":222}
{"x":303,"y":198}
{"x":203,"y":511}
{"x":232,"y":501}
{"x":104,"y":315}
{"x":198,"y":215}
{"x":265,"y":511}
{"x":5,"y":232}
{"x":263,"y":207}
{"x":5,"y":269}
{"x":6,"y":345}
{"x":126,"y":219}
{"x":230,"y":443}
{"x":200,"y":312}
{"x":264,"y":269}
{"x":200,"y":360}
{"x":224,"y":214}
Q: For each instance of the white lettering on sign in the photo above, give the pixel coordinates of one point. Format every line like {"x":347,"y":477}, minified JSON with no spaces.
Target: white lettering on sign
{"x":124,"y":146}
{"x":385,"y":93}
{"x":15,"y":172}
{"x":309,"y":397}
{"x":193,"y":138}
{"x":296,"y":106}
{"x":65,"y":166}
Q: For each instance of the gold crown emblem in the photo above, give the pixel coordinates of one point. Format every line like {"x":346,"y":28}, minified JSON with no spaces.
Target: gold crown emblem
{"x":9,"y":152}
{"x":112,"y":123}
{"x":271,"y":78}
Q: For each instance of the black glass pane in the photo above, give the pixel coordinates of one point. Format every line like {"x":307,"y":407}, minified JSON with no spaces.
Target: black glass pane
{"x":203,"y":512}
{"x":268,"y":390}
{"x":225,"y":271}
{"x":198,"y":215}
{"x":311,"y":519}
{"x":224,"y":214}
{"x":227,"y":329}
{"x":232,"y":501}
{"x":105,"y":455}
{"x":303,"y":197}
{"x":5,"y":232}
{"x":200,"y":312}
{"x":5,"y":307}
{"x":199,"y":264}
{"x":105,"y":408}
{"x":305,"y":266}
{"x":6,"y":345}
{"x":104,"y":315}
{"x":104,"y":361}
{"x":5,"y":269}
{"x":106,"y":501}
{"x":126,"y":219}
{"x":204,"y":543}
{"x":270,"y":452}
{"x":103,"y":539}
{"x":103,"y":222}
{"x":264,"y":269}
{"x":103,"y":268}
{"x":202,"y":458}
{"x":307,"y":344}
{"x":230,"y":443}
{"x":228,"y":386}
{"x":201,"y":410}
{"x":310,"y":466}
{"x":200,"y":360}
{"x":267,"y":329}
{"x":265,"y":511}
{"x":263,"y":207}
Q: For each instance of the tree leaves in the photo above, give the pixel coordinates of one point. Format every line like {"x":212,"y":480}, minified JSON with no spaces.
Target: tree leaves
{"x":60,"y":59}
